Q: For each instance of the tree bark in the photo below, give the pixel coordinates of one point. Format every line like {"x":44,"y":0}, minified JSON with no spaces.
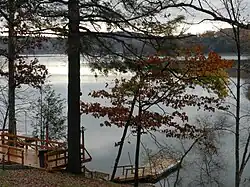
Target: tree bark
{"x":74,"y":149}
{"x":123,"y":137}
{"x":137,"y":156}
{"x":5,"y":118}
{"x":137,"y":151}
{"x":41,"y":115}
{"x":11,"y":59}
{"x":237,"y":126}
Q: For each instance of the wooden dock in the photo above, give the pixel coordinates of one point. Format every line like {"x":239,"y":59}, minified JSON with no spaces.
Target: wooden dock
{"x":152,"y":172}
{"x":25,"y":151}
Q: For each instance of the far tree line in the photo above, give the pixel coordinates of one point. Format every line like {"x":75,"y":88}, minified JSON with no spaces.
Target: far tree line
{"x":217,"y":41}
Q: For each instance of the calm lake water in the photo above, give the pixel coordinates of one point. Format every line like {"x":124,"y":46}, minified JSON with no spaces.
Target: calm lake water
{"x":100,"y":141}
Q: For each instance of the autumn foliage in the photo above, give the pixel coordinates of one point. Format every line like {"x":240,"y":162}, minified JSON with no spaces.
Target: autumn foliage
{"x":159,"y":91}
{"x":31,"y":73}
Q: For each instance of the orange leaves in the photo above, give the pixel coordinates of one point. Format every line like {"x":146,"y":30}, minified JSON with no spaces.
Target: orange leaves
{"x":199,"y":65}
{"x":160,"y":88}
{"x":192,"y":63}
{"x":154,"y":60}
{"x":193,"y":67}
{"x":160,"y":95}
{"x":208,"y":72}
{"x":153,"y":65}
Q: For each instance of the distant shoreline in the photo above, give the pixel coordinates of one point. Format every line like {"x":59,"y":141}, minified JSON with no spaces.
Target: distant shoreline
{"x":228,"y":56}
{"x":44,"y":55}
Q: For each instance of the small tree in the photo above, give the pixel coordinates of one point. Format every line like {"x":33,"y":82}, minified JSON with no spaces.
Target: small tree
{"x":49,"y":111}
{"x":156,"y":96}
{"x":30,"y":73}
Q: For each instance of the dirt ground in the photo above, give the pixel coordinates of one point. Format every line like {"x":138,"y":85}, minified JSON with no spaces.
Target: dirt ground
{"x":39,"y":178}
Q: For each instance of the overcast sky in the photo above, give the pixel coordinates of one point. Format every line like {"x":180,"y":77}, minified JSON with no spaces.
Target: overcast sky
{"x":203,"y":27}
{"x":194,"y":16}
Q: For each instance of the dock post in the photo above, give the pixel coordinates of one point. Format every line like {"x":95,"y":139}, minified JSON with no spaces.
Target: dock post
{"x":2,"y":138}
{"x":8,"y":150}
{"x":3,"y":162}
{"x":46,"y":162}
{"x":22,"y":157}
{"x":36,"y":147}
{"x":65,"y":159}
{"x":56,"y":157}
{"x":83,"y":144}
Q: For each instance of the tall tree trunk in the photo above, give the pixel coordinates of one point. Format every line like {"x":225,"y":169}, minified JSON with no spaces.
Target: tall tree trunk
{"x":137,"y":151}
{"x":237,"y":126}
{"x":137,"y":155}
{"x":11,"y":59}
{"x":5,"y":118}
{"x":41,"y":116}
{"x":123,"y":137}
{"x":74,"y":149}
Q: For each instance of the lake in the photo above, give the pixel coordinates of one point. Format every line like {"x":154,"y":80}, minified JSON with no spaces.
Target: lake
{"x":100,"y":141}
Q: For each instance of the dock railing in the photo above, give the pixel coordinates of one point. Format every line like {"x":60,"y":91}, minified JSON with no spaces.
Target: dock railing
{"x":55,"y":153}
{"x":58,"y":158}
{"x":12,"y":153}
{"x":29,"y":142}
{"x":128,"y":170}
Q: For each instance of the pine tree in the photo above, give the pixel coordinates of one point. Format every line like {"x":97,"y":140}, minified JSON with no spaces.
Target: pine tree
{"x":49,"y":110}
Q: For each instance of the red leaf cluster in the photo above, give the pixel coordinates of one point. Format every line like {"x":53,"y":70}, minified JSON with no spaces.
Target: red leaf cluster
{"x":31,"y":73}
{"x":161,"y":95}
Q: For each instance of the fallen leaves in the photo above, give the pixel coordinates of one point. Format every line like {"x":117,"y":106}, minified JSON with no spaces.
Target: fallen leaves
{"x":39,"y":178}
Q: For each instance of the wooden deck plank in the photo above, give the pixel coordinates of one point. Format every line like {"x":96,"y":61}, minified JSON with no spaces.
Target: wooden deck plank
{"x":150,"y":172}
{"x":30,"y":156}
